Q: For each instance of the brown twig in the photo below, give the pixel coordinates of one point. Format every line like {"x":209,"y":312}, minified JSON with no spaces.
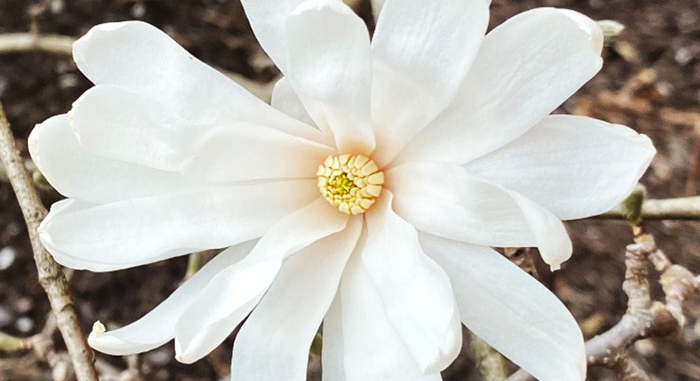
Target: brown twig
{"x":644,"y":317}
{"x":31,"y":42}
{"x":51,"y":277}
{"x":490,"y":363}
{"x":685,"y":208}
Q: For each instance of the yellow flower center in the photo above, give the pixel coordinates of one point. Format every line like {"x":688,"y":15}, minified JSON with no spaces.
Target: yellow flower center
{"x":351,"y":183}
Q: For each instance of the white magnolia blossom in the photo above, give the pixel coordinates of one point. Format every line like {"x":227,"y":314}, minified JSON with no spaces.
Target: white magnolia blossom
{"x":367,"y":197}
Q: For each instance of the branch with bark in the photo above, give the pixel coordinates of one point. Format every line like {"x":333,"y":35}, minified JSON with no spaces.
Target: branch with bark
{"x":51,"y":277}
{"x":645,"y":317}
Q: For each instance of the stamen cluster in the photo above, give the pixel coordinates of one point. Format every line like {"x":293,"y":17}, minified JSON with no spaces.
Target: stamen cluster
{"x":350,"y":182}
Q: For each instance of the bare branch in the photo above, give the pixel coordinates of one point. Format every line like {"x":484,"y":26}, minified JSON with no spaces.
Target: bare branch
{"x":491,"y":365}
{"x":51,"y":277}
{"x":11,"y":344}
{"x":644,"y":317}
{"x":30,"y":42}
{"x":685,"y":208}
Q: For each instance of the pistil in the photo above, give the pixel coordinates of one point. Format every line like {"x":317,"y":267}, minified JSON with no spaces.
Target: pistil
{"x":350,"y":183}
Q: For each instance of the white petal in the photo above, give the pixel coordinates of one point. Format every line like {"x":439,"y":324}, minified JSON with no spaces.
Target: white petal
{"x":373,"y":350}
{"x":330,"y":68}
{"x":575,"y":166}
{"x":233,"y":293}
{"x":286,"y":100}
{"x":332,"y":351}
{"x":158,"y":326}
{"x":416,"y":293}
{"x":76,"y":173}
{"x":447,"y":201}
{"x":255,"y":153}
{"x":118,"y":124}
{"x":135,"y":232}
{"x":142,"y":59}
{"x":422,"y":50}
{"x":267,"y":18}
{"x":270,"y":349}
{"x":525,"y":69}
{"x":511,"y":311}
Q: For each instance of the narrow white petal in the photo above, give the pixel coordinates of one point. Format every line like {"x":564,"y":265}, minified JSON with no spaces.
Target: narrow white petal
{"x":270,"y":349}
{"x":333,"y":352}
{"x":373,"y":350}
{"x":118,"y":124}
{"x":422,"y":50}
{"x":525,"y":69}
{"x":511,"y":311}
{"x":286,"y":100}
{"x":235,"y":291}
{"x":142,"y":59}
{"x":447,"y":201}
{"x":575,"y":166}
{"x":75,"y":172}
{"x":158,"y":326}
{"x":330,"y":69}
{"x":134,"y":232}
{"x":267,"y":19}
{"x":416,"y":293}
{"x":255,"y":152}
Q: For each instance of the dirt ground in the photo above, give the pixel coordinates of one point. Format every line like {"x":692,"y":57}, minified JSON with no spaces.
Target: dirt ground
{"x":650,"y":82}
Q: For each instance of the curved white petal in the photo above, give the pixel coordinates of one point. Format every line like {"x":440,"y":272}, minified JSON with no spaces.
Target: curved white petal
{"x":75,"y":172}
{"x":511,"y":311}
{"x":421,"y":51}
{"x":134,"y":232}
{"x":372,"y":348}
{"x":267,"y":18}
{"x":142,"y":59}
{"x":235,"y":291}
{"x":575,"y":166}
{"x":330,"y":69}
{"x":268,"y":348}
{"x":255,"y":153}
{"x":332,"y":351}
{"x":445,"y":200}
{"x":286,"y":100}
{"x":525,"y":69}
{"x":416,"y":293}
{"x":118,"y":124}
{"x":158,"y":326}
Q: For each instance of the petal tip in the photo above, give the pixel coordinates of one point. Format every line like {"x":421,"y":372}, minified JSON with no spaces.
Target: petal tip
{"x":590,"y":27}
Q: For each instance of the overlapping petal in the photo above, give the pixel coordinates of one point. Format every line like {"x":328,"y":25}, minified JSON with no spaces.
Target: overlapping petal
{"x":274,"y":342}
{"x":330,"y":69}
{"x":446,"y":200}
{"x":234,"y":292}
{"x":255,"y":153}
{"x":421,"y":51}
{"x":267,"y":18}
{"x":138,"y":231}
{"x":575,"y":166}
{"x":525,"y":69}
{"x":115,"y":123}
{"x":142,"y":59}
{"x":158,"y":326}
{"x":332,"y":350}
{"x":511,"y":311}
{"x":75,"y":172}
{"x":286,"y":100}
{"x":416,"y":293}
{"x":372,"y":347}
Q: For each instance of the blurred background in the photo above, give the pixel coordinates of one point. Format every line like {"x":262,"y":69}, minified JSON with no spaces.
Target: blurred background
{"x":650,"y":82}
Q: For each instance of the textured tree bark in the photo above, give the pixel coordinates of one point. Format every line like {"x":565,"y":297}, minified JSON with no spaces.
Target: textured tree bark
{"x":51,"y":276}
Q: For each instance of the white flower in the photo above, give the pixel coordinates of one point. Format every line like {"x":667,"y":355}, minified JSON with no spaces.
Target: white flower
{"x":165,"y":156}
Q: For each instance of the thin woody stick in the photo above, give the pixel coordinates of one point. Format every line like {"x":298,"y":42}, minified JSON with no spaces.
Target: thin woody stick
{"x":51,"y":277}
